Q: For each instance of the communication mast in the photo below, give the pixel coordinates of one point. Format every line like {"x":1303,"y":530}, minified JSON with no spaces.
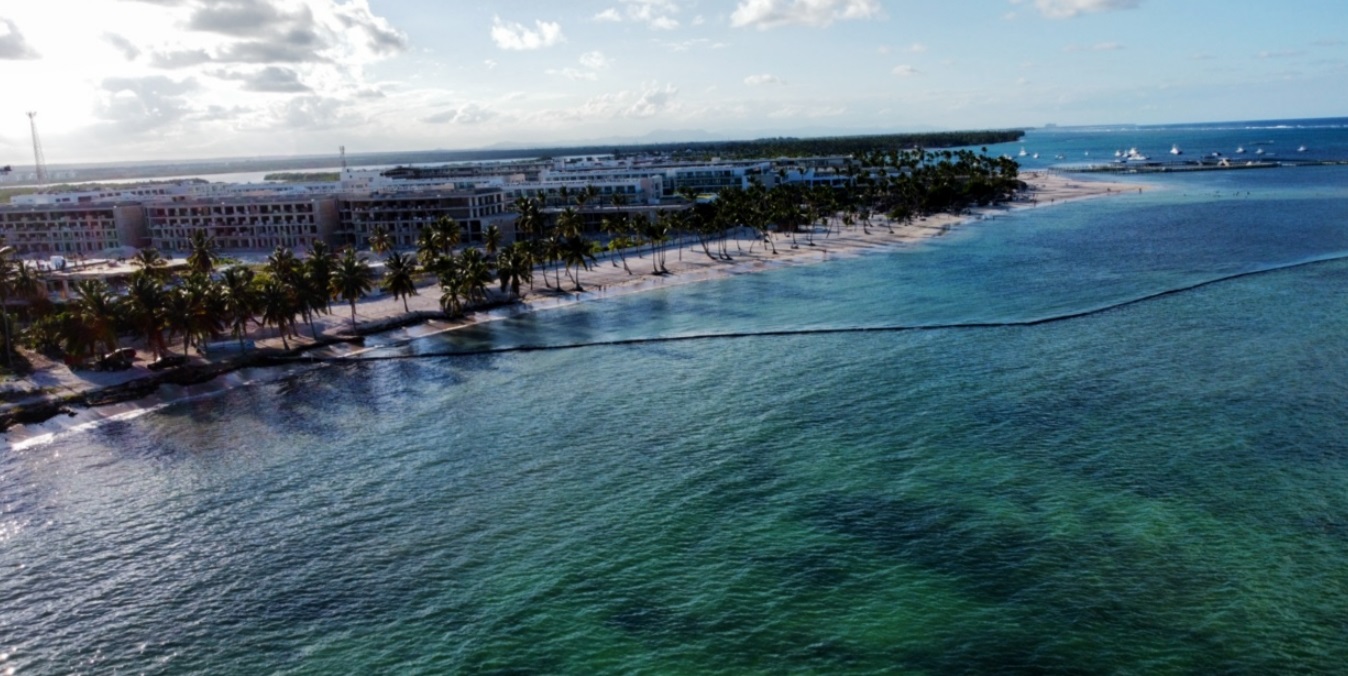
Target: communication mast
{"x":38,"y":160}
{"x":343,"y":151}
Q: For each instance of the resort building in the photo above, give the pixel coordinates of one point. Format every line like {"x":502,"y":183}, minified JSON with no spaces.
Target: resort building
{"x":73,"y":230}
{"x":402,"y":215}
{"x":244,"y":223}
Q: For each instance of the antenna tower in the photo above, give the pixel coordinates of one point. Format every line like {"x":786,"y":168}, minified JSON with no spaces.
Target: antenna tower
{"x":343,"y":149}
{"x":38,"y":160}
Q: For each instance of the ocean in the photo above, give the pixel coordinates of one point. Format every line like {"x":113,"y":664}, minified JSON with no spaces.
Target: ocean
{"x":1105,"y":436}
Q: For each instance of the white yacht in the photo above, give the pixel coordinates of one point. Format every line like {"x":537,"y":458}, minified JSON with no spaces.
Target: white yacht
{"x":1301,"y":149}
{"x":1240,"y":150}
{"x":1175,"y":150}
{"x":1134,"y":156}
{"x":1022,"y":152}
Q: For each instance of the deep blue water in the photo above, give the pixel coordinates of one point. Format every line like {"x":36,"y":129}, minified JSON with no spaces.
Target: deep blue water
{"x":1279,"y":140}
{"x":1156,"y":487}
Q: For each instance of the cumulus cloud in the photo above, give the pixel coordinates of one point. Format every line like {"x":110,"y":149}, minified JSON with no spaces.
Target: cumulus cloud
{"x":904,"y":70}
{"x":470,"y":113}
{"x":650,"y":101}
{"x":656,"y":14}
{"x":594,"y":60}
{"x":1098,"y":47}
{"x":1066,"y":9}
{"x":272,"y":79}
{"x":281,"y":31}
{"x":516,"y":36}
{"x":653,"y":100}
{"x":763,"y":79}
{"x":808,"y":111}
{"x":765,"y":14}
{"x":139,"y":104}
{"x":123,"y":45}
{"x":573,"y":73}
{"x":13,"y":46}
{"x":686,"y":45}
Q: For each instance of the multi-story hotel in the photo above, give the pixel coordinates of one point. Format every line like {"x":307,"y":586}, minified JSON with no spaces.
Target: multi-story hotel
{"x":402,"y":215}
{"x":73,"y":230}
{"x":257,"y":224}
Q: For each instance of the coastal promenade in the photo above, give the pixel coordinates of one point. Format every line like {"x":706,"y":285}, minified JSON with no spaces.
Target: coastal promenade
{"x":53,"y":389}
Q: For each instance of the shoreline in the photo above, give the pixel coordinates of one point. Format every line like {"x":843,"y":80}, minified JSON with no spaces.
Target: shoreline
{"x":52,"y":389}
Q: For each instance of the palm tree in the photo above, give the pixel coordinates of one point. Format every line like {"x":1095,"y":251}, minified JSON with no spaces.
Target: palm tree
{"x":398,"y":271}
{"x":151,"y":261}
{"x":283,"y":265}
{"x":313,"y":295}
{"x":277,"y":301}
{"x":451,"y":286}
{"x":144,"y":303}
{"x":239,"y":300}
{"x":353,"y":279}
{"x":318,"y":267}
{"x":380,"y":241}
{"x":202,"y":258}
{"x":577,"y":252}
{"x":447,"y":234}
{"x":528,"y":219}
{"x":513,"y":267}
{"x":6,"y":282}
{"x":491,"y":239}
{"x":427,"y":248}
{"x":474,"y":275}
{"x":187,"y":311}
{"x":97,"y":309}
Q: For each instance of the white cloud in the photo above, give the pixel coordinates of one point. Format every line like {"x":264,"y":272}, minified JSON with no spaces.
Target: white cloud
{"x":808,"y":111}
{"x":765,"y":14}
{"x":594,"y":60}
{"x":904,"y":70}
{"x":515,"y":36}
{"x":653,"y":100}
{"x":756,"y":80}
{"x":490,"y":64}
{"x":1098,"y":47}
{"x":1278,"y":54}
{"x":12,"y":43}
{"x":917,"y":48}
{"x":470,"y":113}
{"x":656,"y":14}
{"x":686,"y":45}
{"x":1066,"y":9}
{"x":574,"y":74}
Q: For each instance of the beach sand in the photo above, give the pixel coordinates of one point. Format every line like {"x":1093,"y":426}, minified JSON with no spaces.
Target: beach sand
{"x":685,"y":261}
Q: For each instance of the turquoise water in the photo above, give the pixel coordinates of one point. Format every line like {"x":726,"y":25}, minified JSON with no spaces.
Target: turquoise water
{"x":1153,"y":488}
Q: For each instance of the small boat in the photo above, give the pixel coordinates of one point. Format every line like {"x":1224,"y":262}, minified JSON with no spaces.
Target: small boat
{"x":1022,"y":152}
{"x":1240,"y":150}
{"x":1259,"y":151}
{"x":1301,"y":149}
{"x":1175,"y":150}
{"x":1118,"y":153}
{"x":1134,"y":156}
{"x":1035,"y":156}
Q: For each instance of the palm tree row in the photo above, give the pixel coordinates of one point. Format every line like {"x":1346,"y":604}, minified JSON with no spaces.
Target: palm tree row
{"x":195,"y":305}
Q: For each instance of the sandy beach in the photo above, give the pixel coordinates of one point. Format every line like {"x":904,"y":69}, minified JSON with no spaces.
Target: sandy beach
{"x":53,"y":386}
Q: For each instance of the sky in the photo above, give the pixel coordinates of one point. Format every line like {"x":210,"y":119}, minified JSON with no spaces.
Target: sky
{"x":136,"y":80}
